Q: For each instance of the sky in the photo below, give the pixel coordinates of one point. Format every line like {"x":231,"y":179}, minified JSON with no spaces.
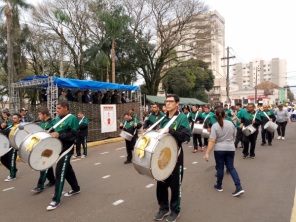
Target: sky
{"x":262,"y":29}
{"x":254,"y":29}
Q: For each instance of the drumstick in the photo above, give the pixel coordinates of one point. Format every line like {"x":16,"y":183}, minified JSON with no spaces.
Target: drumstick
{"x":21,"y":127}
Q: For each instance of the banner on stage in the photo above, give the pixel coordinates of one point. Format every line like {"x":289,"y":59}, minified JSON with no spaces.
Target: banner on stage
{"x":108,"y":118}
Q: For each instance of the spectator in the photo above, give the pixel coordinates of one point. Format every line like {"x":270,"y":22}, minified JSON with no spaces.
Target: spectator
{"x":86,"y":98}
{"x":122,"y":98}
{"x":114,"y":97}
{"x":63,"y":96}
{"x":107,"y":98}
{"x":43,"y":96}
{"x":78,"y":96}
{"x":69,"y":95}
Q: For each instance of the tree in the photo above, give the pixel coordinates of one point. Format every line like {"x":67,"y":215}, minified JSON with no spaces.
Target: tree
{"x":290,"y":94}
{"x":114,"y":22}
{"x":160,"y":27}
{"x":193,"y":76}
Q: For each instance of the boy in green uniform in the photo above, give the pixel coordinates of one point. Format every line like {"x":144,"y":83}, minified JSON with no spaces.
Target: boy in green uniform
{"x":194,"y":117}
{"x":180,"y":130}
{"x":46,"y":124}
{"x":67,"y":133}
{"x":82,"y":135}
{"x":227,"y":110}
{"x":205,"y":116}
{"x":153,"y":117}
{"x":130,"y":125}
{"x":266,"y":116}
{"x":246,"y":120}
{"x":239,"y":134}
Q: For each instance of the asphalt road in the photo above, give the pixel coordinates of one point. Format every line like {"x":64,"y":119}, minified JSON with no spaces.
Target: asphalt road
{"x":112,"y":191}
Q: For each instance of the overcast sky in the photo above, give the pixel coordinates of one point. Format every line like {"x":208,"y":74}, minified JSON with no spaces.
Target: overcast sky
{"x":260,"y":29}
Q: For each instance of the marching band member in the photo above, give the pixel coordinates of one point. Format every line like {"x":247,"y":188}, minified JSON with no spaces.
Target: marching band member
{"x":227,"y":110}
{"x":130,"y":125}
{"x":153,"y":117}
{"x":9,"y":159}
{"x":180,"y":130}
{"x":246,"y":120}
{"x":266,"y":116}
{"x":46,"y":123}
{"x":82,"y":135}
{"x":206,"y":115}
{"x":194,"y":117}
{"x":239,"y":133}
{"x":67,"y":133}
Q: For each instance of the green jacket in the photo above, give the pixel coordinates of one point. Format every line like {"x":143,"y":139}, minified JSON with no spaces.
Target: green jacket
{"x":239,"y":115}
{"x":67,"y":131}
{"x":212,"y":120}
{"x":194,"y":116}
{"x":247,"y":119}
{"x":151,"y":119}
{"x":180,"y":128}
{"x":129,"y":127}
{"x":46,"y":125}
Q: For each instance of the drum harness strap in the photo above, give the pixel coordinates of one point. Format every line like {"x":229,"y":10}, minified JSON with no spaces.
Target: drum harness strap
{"x":266,"y":115}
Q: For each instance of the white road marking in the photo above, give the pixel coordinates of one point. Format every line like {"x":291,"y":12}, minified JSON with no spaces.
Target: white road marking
{"x":122,"y":156}
{"x":97,"y":163}
{"x":10,"y":188}
{"x":120,"y":148}
{"x":150,"y":185}
{"x":194,"y":162}
{"x":75,"y":160}
{"x":189,"y":146}
{"x":118,"y":202}
{"x":104,"y":177}
{"x":104,"y":152}
{"x":184,"y":168}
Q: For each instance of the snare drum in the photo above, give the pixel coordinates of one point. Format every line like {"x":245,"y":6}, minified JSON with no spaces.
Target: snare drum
{"x":205,"y":133}
{"x":17,"y":135}
{"x":155,"y":155}
{"x":197,"y":128}
{"x":40,"y":150}
{"x":250,"y":129}
{"x":4,"y":144}
{"x":270,"y":126}
{"x":126,"y":135}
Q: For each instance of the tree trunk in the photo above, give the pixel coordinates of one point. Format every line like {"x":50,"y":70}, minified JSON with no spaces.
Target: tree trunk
{"x":62,"y":56}
{"x":113,"y":60}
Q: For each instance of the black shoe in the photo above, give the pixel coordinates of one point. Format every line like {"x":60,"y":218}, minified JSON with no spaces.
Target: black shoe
{"x":173,"y":216}
{"x":71,"y":193}
{"x":218,"y":188}
{"x":262,"y":144}
{"x":50,"y":184}
{"x":37,"y":190}
{"x":238,"y":192}
{"x":161,"y":214}
{"x":127,"y":162}
{"x":269,"y":144}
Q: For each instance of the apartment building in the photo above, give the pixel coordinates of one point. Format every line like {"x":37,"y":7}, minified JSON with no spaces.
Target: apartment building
{"x":205,"y":40}
{"x":244,"y":78}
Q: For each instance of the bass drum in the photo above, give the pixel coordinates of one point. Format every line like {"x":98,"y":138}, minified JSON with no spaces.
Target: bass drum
{"x":17,"y":135}
{"x":155,"y":155}
{"x":4,"y":144}
{"x":40,"y":150}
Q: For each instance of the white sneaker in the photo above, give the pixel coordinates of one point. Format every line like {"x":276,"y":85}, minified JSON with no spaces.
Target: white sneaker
{"x":279,"y":137}
{"x":283,"y":138}
{"x":53,"y":205}
{"x":9,"y":178}
{"x":83,"y":156}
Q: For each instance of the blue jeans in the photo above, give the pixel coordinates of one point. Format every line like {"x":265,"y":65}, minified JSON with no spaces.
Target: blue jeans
{"x":226,"y":157}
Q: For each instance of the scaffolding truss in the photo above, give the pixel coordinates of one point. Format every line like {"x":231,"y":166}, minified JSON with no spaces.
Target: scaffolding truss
{"x":52,"y":93}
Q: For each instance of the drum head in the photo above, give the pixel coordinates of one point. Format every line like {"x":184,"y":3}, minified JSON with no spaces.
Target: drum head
{"x":45,"y":153}
{"x":21,"y":134}
{"x":164,"y":158}
{"x":4,"y":145}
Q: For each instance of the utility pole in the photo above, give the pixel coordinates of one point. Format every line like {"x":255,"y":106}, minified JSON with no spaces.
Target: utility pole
{"x":257,"y":69}
{"x":227,"y":74}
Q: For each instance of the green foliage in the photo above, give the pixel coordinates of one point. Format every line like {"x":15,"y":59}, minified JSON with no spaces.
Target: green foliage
{"x":189,"y":79}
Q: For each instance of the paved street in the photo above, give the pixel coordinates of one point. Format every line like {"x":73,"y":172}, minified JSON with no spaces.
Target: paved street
{"x":112,"y":191}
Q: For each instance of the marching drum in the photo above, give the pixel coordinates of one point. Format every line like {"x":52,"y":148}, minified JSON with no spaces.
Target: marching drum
{"x":270,"y":126}
{"x":126,"y":135}
{"x":197,"y":128}
{"x":250,"y":129}
{"x":4,"y":145}
{"x":205,"y":133}
{"x":17,"y":135}
{"x":40,"y":150}
{"x":155,"y":155}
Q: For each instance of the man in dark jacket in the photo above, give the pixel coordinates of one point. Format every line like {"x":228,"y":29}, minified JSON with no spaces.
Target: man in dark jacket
{"x":82,"y":135}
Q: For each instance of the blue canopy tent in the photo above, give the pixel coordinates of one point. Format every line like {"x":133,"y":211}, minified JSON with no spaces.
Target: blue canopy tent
{"x":81,"y":84}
